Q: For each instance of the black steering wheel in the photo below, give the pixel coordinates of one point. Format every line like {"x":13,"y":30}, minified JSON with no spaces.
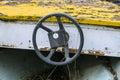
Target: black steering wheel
{"x":58,"y":39}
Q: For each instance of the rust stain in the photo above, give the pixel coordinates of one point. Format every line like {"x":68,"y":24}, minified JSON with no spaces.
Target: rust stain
{"x":7,"y":46}
{"x":61,"y":49}
{"x":45,"y":49}
{"x":93,"y":52}
{"x":88,"y":52}
{"x":58,"y":50}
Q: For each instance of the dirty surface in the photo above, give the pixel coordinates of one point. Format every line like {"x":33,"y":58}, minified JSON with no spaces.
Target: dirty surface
{"x":97,"y":12}
{"x":104,"y":40}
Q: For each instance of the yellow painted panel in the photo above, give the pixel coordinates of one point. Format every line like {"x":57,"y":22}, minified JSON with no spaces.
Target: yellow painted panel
{"x":97,"y":13}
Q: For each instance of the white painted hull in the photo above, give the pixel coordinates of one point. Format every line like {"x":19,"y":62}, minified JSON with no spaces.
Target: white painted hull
{"x":98,"y":40}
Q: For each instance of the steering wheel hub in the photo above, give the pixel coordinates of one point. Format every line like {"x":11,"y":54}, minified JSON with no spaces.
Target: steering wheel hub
{"x":55,"y":35}
{"x":58,"y":39}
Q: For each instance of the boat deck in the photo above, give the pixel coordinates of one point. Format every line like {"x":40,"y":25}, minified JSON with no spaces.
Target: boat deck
{"x":93,"y":18}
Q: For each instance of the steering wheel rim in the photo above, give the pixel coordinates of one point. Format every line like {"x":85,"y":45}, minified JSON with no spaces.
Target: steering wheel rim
{"x":52,"y":51}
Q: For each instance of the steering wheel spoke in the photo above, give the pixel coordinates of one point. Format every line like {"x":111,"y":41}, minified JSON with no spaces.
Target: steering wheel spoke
{"x":66,"y":48}
{"x":60,"y":22}
{"x":52,"y":51}
{"x":45,"y":28}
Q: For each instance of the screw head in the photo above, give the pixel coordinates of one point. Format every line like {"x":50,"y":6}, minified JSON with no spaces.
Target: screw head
{"x":55,"y":36}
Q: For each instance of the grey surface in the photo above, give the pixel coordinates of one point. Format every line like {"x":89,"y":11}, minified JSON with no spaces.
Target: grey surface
{"x":16,"y":64}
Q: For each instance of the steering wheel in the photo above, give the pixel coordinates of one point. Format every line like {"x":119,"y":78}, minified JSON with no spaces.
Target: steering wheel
{"x":57,"y":39}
